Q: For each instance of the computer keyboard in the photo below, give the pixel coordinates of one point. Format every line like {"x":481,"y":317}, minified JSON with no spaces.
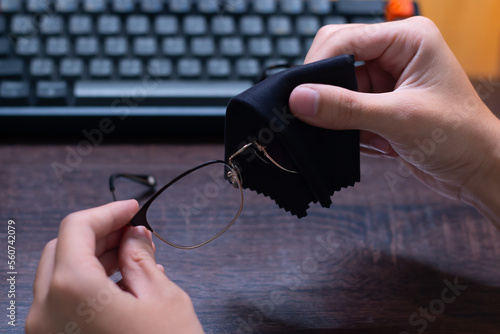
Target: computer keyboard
{"x":148,"y":65}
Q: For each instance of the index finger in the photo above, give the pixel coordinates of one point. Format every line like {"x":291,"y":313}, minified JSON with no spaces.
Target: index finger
{"x":317,"y":47}
{"x":80,"y":231}
{"x":368,"y":42}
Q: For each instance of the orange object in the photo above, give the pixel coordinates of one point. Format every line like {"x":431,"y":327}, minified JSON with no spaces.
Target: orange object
{"x":399,"y":9}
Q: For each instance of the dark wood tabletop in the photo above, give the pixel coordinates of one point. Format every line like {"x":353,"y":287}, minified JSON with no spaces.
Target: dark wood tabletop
{"x":384,"y":258}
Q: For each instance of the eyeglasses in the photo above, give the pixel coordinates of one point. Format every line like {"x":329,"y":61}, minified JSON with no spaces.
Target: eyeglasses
{"x":202,"y":203}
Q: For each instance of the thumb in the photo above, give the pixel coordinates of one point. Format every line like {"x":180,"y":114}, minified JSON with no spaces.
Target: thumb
{"x":333,"y":107}
{"x":137,"y":263}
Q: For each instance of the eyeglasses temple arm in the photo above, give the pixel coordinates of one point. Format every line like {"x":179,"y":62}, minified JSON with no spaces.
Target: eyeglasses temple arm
{"x":230,"y":160}
{"x":146,"y":180}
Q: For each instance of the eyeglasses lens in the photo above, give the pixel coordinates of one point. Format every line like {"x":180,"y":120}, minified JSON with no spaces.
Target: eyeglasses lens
{"x":197,"y":207}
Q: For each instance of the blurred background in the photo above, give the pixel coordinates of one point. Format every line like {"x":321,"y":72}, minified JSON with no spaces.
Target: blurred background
{"x":472,"y":29}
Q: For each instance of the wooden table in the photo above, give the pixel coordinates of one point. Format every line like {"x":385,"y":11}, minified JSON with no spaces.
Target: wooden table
{"x":380,"y":260}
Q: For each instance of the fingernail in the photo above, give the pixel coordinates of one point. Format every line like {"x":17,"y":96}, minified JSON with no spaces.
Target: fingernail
{"x":305,"y":101}
{"x":380,"y":144}
{"x":142,"y":232}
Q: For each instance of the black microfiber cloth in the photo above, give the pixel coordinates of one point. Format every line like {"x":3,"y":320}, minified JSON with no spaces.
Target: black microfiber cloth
{"x":327,"y":160}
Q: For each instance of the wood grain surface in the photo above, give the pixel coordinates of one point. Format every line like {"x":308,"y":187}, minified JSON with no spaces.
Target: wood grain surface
{"x":372,"y":263}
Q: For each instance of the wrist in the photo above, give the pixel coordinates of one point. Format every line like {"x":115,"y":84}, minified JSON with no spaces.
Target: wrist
{"x":483,"y":190}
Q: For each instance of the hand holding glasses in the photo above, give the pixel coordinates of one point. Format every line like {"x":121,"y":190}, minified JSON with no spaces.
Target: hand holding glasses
{"x":203,"y":202}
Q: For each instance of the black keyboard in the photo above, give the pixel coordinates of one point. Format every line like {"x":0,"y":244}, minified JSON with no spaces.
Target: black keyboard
{"x":148,"y":65}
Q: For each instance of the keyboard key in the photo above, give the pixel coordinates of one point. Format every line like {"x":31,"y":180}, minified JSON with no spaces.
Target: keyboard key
{"x":307,"y":25}
{"x":130,"y":68}
{"x":161,"y":94}
{"x":252,"y":25}
{"x":166,"y":25}
{"x":115,"y":47}
{"x":218,"y":68}
{"x":248,"y":68}
{"x":194,"y":25}
{"x":231,"y":46}
{"x":235,"y":6}
{"x":137,"y":24}
{"x":66,"y":6}
{"x":189,"y":67}
{"x":11,"y":68}
{"x":10,"y":6}
{"x":180,"y":6}
{"x":208,"y":6}
{"x":28,"y":46}
{"x":101,"y":68}
{"x":288,"y":47}
{"x":71,"y":68}
{"x":86,"y":46}
{"x":5,"y":46}
{"x":51,"y":92}
{"x":279,"y":25}
{"x":94,"y":6}
{"x":108,"y":25}
{"x":51,"y":25}
{"x":292,"y":7}
{"x":319,"y":7}
{"x":223,"y":25}
{"x":100,"y":51}
{"x":260,"y":46}
{"x":145,"y":46}
{"x":123,"y":6}
{"x":307,"y":43}
{"x":273,"y":66}
{"x":361,"y":7}
{"x":202,"y":46}
{"x":151,"y":6}
{"x":37,"y":6}
{"x":160,"y":67}
{"x":57,"y":47}
{"x":15,"y":92}
{"x":174,"y":46}
{"x":80,"y":25}
{"x":3,"y":25}
{"x":41,"y":67}
{"x":299,"y":61}
{"x":22,"y":25}
{"x":264,"y":6}
{"x":334,"y":20}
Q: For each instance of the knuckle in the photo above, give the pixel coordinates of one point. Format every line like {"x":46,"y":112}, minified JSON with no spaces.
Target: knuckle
{"x":423,"y":21}
{"x":70,"y":219}
{"x":140,"y":257}
{"x":50,"y":246}
{"x":172,"y":294}
{"x":323,"y":32}
{"x":32,"y":321}
{"x":63,"y":285}
{"x":428,"y":31}
{"x":181,"y":297}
